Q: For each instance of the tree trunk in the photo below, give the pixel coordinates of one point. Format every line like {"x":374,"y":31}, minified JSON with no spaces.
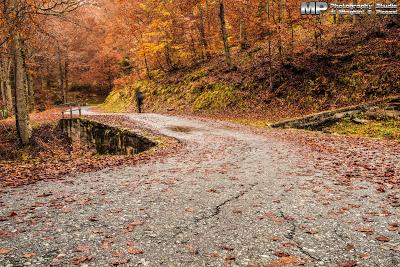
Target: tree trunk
{"x":31,"y":91}
{"x":270,"y":62}
{"x":224,"y":33}
{"x":20,"y":94}
{"x":66,"y":74}
{"x":3,"y":93}
{"x":6,"y":85}
{"x":61,"y":78}
{"x":202,"y":33}
{"x":147,"y":66}
{"x":243,"y":35}
{"x":280,"y":28}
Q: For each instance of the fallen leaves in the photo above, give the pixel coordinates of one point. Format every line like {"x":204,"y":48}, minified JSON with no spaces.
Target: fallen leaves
{"x":394,"y":227}
{"x":382,"y":238}
{"x":28,"y":255}
{"x":367,"y":231}
{"x":312,"y":231}
{"x":82,"y":248}
{"x":281,"y":254}
{"x":53,"y":157}
{"x":350,"y":247}
{"x":4,"y":251}
{"x":131,"y":226}
{"x":82,"y":259}
{"x":285,"y":261}
{"x":134,"y":251}
{"x":346,"y":263}
{"x":120,"y":261}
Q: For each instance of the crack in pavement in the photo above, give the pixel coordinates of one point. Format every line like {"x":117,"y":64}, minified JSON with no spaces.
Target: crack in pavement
{"x":292,"y":234}
{"x":217,"y":209}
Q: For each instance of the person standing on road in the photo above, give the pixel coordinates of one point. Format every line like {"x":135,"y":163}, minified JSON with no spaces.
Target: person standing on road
{"x":139,"y":100}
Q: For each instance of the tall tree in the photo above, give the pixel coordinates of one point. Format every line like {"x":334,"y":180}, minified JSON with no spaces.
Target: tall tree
{"x":224,"y":33}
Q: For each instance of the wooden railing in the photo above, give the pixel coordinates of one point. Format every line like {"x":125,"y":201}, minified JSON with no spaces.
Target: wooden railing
{"x":73,"y":106}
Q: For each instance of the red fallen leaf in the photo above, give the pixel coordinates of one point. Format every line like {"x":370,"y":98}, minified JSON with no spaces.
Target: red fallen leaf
{"x":120,"y":261}
{"x":93,"y":219}
{"x":393,"y":229}
{"x":131,"y":226}
{"x":6,"y":234}
{"x":4,"y":251}
{"x":81,"y":259}
{"x":275,"y":238}
{"x":212,"y":190}
{"x":394,"y":224}
{"x":107,"y":243}
{"x":381,"y":189}
{"x":312,"y":231}
{"x":237,"y":211}
{"x":12,"y":214}
{"x":350,"y":247}
{"x":82,"y":248}
{"x":226,"y":247}
{"x":281,"y":254}
{"x":214,"y":254}
{"x":290,"y":260}
{"x":347,"y":263}
{"x":66,"y":210}
{"x":28,"y":255}
{"x":229,"y":259}
{"x":117,"y":254}
{"x":130,"y":244}
{"x":97,"y":231}
{"x":189,"y":210}
{"x":284,"y":261}
{"x":382,"y":238}
{"x":134,"y":251}
{"x":45,"y":195}
{"x":364,"y":256}
{"x":367,"y":231}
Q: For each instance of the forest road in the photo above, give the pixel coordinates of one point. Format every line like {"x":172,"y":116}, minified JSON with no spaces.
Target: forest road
{"x":232,"y":196}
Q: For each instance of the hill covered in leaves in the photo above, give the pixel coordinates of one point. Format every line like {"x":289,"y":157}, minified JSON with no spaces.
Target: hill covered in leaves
{"x":358,"y":64}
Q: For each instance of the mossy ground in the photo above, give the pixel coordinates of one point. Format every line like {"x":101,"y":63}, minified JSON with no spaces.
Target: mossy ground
{"x":384,"y":129}
{"x":186,"y":95}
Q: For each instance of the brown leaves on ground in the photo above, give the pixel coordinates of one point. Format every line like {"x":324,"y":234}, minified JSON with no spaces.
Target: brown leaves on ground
{"x":120,"y":261}
{"x":312,"y":231}
{"x":366,"y":230}
{"x":134,"y":251}
{"x":4,"y":251}
{"x":131,"y":226}
{"x":52,"y":156}
{"x":28,"y":255}
{"x":82,"y":259}
{"x":286,"y":261}
{"x":346,"y":263}
{"x":382,"y":238}
{"x":394,"y":227}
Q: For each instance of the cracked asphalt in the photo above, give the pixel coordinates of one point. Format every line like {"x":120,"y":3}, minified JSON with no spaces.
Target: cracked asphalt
{"x":233,"y":196}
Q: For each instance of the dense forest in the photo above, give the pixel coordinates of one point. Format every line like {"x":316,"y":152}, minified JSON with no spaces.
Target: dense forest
{"x":245,"y":56}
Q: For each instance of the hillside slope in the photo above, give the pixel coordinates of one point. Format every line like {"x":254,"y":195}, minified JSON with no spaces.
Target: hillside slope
{"x":358,"y":65}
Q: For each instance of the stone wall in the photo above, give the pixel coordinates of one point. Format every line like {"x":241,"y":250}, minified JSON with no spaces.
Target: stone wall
{"x":105,"y":139}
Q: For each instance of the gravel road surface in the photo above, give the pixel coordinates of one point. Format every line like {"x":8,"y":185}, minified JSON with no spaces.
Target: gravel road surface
{"x":233,"y":196}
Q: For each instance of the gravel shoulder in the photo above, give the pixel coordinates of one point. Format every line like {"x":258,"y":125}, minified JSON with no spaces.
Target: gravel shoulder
{"x":233,"y":196}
